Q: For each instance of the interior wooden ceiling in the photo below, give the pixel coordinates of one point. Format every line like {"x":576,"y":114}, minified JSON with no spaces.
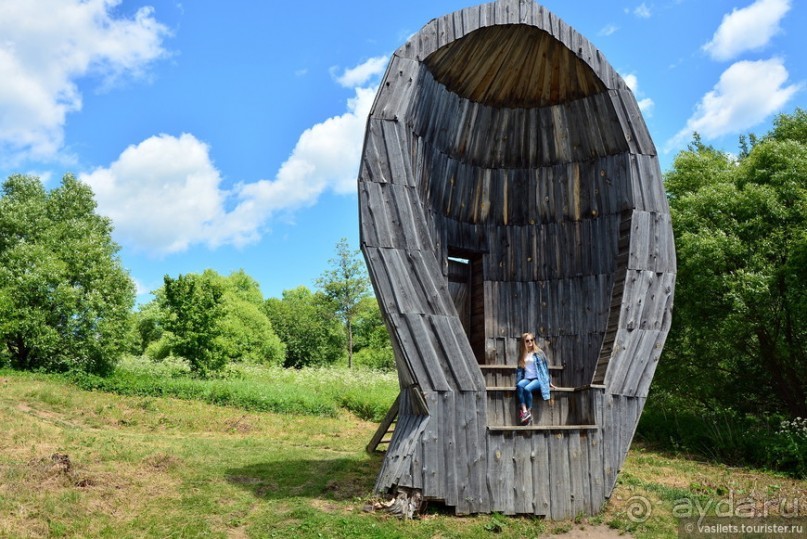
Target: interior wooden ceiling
{"x":513,"y":66}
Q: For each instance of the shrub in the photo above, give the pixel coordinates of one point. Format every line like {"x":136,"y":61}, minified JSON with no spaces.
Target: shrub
{"x":727,"y":436}
{"x":375,"y":358}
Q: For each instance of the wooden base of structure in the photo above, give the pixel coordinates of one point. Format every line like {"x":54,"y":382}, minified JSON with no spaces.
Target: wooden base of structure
{"x":405,"y":504}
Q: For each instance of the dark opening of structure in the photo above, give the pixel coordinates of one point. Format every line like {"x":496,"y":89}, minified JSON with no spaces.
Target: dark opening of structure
{"x":467,"y":290}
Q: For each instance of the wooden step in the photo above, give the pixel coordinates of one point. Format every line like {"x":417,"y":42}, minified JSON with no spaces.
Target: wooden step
{"x":567,"y":406}
{"x":542,"y":428}
{"x":551,"y":390}
{"x":500,"y":375}
{"x":514,"y":367}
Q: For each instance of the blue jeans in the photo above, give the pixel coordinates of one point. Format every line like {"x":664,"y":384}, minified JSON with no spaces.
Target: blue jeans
{"x":525,"y":388}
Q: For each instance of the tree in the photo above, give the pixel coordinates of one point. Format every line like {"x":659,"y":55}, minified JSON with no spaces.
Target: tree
{"x":193,"y":313}
{"x":65,"y":299}
{"x":739,"y":335}
{"x":308,"y":327}
{"x":345,"y":285}
{"x":209,"y":320}
{"x":247,"y":333}
{"x":371,"y":339}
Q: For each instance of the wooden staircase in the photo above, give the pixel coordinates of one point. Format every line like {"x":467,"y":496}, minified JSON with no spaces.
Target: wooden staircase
{"x":569,"y":408}
{"x":383,"y":435}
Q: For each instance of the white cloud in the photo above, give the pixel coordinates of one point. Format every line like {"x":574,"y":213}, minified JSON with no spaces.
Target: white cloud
{"x":165,"y":195}
{"x":642,"y":11}
{"x":360,"y":74}
{"x":747,"y":93}
{"x":46,"y":47}
{"x":326,"y":157}
{"x":608,"y":30}
{"x":140,"y":288}
{"x":645,"y":104}
{"x":747,"y":29}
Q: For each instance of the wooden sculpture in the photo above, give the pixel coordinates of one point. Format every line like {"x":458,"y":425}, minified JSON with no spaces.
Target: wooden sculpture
{"x":509,"y":184}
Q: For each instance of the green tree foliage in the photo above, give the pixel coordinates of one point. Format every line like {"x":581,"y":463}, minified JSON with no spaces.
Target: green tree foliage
{"x":308,"y":326}
{"x":65,"y":299}
{"x":372,"y":344}
{"x":345,"y":284}
{"x":192,"y":315}
{"x":147,"y":327}
{"x":209,"y":320}
{"x":739,"y":337}
{"x":247,"y":332}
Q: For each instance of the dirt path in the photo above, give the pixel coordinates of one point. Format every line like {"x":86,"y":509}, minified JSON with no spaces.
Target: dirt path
{"x":588,"y":531}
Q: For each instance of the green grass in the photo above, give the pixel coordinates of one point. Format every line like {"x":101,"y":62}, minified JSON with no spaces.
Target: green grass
{"x":150,"y":466}
{"x":314,"y":391}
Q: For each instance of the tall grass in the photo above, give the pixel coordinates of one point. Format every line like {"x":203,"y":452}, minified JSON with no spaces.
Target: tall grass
{"x":726,"y":436}
{"x":315,"y":391}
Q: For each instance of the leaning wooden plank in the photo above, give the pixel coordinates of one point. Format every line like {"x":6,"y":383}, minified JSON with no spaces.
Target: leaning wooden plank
{"x":400,"y":281}
{"x":408,"y":359}
{"x":421,"y":344}
{"x":428,"y":281}
{"x":462,"y":365}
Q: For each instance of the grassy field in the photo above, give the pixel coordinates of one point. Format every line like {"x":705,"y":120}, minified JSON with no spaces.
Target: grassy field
{"x":77,"y":463}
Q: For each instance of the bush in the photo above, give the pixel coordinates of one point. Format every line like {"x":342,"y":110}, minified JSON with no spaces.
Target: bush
{"x":728,"y":437}
{"x":787,"y":448}
{"x":375,"y":358}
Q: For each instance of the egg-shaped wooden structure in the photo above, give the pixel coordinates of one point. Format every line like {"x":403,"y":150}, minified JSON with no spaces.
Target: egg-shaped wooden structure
{"x":509,"y":184}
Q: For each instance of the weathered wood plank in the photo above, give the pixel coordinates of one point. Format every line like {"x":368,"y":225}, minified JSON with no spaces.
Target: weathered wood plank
{"x":522,"y":481}
{"x":559,"y":480}
{"x":393,"y":99}
{"x":596,"y":456}
{"x":578,"y":485}
{"x":540,"y":472}
{"x":449,"y":456}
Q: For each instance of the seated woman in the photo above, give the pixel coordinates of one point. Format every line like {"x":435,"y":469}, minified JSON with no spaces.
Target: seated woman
{"x":532,"y":374}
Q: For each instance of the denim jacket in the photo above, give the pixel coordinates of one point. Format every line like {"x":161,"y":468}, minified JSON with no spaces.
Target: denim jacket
{"x":541,"y":365}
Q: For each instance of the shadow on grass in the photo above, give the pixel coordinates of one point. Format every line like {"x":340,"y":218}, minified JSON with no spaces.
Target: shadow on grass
{"x":337,"y":479}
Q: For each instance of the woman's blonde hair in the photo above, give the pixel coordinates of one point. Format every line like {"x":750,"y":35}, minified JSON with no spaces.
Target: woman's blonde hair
{"x":536,"y":348}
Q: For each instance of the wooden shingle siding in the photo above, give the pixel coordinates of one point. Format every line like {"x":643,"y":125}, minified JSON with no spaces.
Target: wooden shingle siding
{"x":502,"y":136}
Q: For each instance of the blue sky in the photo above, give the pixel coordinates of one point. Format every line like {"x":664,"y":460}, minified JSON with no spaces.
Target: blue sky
{"x":227,"y":135}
